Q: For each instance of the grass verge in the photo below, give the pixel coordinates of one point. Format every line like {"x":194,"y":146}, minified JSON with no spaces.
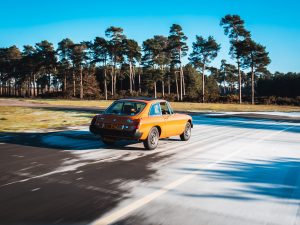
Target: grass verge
{"x":182,"y":106}
{"x":14,"y":119}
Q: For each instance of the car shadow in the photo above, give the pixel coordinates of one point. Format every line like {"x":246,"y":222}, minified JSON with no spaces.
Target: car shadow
{"x":64,"y":140}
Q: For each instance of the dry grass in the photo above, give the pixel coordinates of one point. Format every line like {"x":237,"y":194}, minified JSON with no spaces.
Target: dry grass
{"x":83,"y":103}
{"x":14,"y":119}
{"x":185,"y":106}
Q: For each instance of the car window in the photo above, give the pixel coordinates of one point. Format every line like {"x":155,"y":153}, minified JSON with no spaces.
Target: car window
{"x":170,"y":108}
{"x":155,"y":110}
{"x":125,"y":108}
{"x":164,"y":108}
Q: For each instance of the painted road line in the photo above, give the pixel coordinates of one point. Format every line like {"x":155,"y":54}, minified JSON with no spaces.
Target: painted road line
{"x":121,"y":213}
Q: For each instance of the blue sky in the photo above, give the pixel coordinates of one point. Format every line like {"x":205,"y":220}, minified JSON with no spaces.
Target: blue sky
{"x":275,"y":24}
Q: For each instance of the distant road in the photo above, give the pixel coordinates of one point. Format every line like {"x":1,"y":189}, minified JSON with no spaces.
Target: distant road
{"x":233,"y":171}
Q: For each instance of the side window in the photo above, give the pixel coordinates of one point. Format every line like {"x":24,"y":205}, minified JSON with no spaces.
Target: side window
{"x":164,"y":108}
{"x":155,"y":110}
{"x":170,"y":108}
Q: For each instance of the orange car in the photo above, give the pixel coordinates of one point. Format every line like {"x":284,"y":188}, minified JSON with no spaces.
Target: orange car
{"x":141,"y":119}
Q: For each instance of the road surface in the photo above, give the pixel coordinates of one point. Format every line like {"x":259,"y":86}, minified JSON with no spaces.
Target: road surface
{"x":233,"y":171}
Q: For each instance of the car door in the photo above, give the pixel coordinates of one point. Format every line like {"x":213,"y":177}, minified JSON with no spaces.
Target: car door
{"x":167,"y":115}
{"x":173,"y":122}
{"x":154,"y":118}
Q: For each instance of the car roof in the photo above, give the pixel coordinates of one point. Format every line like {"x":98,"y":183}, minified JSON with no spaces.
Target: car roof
{"x":142,"y":99}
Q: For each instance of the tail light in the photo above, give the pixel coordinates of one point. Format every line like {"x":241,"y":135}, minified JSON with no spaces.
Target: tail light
{"x":136,"y":124}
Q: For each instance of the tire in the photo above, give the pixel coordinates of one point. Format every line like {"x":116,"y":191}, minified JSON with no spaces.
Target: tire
{"x":185,"y":136}
{"x":152,"y":140}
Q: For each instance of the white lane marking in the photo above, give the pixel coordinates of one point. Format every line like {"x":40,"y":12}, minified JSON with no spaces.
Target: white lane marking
{"x":18,"y":156}
{"x":36,"y":189}
{"x":121,"y":213}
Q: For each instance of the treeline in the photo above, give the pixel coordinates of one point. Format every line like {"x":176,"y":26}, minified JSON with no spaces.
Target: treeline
{"x":279,"y":88}
{"x":116,"y":66}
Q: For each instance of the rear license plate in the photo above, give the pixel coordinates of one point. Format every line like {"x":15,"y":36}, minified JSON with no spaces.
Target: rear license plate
{"x":110,"y":126}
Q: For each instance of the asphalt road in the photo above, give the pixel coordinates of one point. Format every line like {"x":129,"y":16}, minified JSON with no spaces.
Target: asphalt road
{"x":233,"y":171}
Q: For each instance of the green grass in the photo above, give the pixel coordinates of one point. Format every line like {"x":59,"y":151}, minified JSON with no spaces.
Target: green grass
{"x":185,"y":106}
{"x":16,"y":119}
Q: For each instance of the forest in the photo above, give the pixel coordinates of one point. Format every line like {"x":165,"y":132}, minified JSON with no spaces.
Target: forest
{"x":116,"y":66}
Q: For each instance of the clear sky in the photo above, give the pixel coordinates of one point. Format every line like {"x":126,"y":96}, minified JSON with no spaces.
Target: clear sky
{"x":273,"y":23}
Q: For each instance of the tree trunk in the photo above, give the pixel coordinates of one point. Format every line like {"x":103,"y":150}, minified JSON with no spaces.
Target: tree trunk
{"x":169,"y":85}
{"x":240,"y":80}
{"x":203,"y":83}
{"x":28,"y":88}
{"x":81,"y":83}
{"x":154,"y":84}
{"x":183,"y":84}
{"x":4,"y":89}
{"x":30,"y":85}
{"x":9,"y":88}
{"x":14,"y":87}
{"x":177,"y":91}
{"x":181,"y":75}
{"x":130,"y":78}
{"x":65,"y":83}
{"x":105,"y":84}
{"x":112,"y":81}
{"x":34,"y":86}
{"x":114,"y":76}
{"x":74,"y":84}
{"x":140,"y":88}
{"x":252,"y":85}
{"x":163,"y":88}
{"x":224,"y":87}
{"x":49,"y":83}
{"x":133,"y":77}
{"x":115,"y":83}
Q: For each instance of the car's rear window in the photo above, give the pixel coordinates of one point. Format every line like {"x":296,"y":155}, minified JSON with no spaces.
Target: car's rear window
{"x":126,"y":108}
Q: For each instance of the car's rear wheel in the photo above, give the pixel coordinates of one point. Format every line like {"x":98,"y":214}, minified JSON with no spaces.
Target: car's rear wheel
{"x":152,"y":140}
{"x":185,"y":136}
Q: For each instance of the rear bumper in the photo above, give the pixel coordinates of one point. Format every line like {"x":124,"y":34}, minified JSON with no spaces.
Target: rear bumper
{"x":113,"y":133}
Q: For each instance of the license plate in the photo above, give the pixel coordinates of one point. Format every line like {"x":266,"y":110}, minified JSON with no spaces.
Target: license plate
{"x":110,"y":126}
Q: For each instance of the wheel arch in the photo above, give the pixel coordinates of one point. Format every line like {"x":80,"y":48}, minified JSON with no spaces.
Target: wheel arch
{"x":159,"y":129}
{"x":190,"y":121}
